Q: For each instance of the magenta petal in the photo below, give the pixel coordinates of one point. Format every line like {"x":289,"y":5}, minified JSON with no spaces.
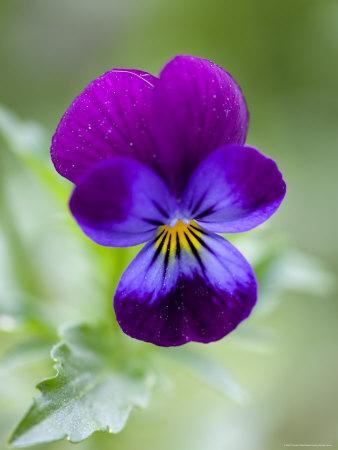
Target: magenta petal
{"x":170,"y":298}
{"x":198,"y":107}
{"x":233,"y":190}
{"x":121,"y":202}
{"x":111,"y":117}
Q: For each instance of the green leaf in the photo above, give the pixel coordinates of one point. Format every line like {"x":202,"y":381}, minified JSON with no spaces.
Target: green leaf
{"x":95,"y":388}
{"x":30,"y":350}
{"x":298,"y":272}
{"x":209,"y":371}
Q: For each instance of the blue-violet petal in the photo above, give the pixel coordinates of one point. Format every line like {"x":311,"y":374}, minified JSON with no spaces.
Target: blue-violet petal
{"x":121,"y":202}
{"x":185,"y":285}
{"x":233,"y":190}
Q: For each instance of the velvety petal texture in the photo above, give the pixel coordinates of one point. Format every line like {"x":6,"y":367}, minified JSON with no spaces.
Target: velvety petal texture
{"x":111,"y":117}
{"x":233,"y":190}
{"x":163,"y":161}
{"x":121,"y":202}
{"x":198,"y":107}
{"x":170,"y":123}
{"x":185,"y":285}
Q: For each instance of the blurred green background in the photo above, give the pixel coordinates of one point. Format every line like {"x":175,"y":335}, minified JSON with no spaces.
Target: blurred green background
{"x":284,"y":55}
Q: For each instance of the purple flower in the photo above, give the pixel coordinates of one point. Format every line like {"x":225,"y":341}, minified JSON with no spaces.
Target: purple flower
{"x":163,"y":161}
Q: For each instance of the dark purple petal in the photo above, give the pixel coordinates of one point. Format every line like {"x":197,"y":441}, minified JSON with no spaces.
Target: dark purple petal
{"x":121,"y":202}
{"x":235,"y":189}
{"x":170,"y":297}
{"x":198,"y":107}
{"x":111,"y":117}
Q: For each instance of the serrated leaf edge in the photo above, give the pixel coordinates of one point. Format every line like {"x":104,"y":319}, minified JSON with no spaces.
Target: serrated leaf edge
{"x":57,"y":366}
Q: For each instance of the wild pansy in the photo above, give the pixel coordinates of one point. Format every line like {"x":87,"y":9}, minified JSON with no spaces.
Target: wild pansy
{"x":163,"y":161}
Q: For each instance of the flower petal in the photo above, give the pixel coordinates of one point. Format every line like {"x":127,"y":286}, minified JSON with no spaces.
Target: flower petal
{"x":121,"y":202}
{"x":235,"y":189}
{"x":197,"y":290}
{"x":112,"y":116}
{"x":198,"y":107}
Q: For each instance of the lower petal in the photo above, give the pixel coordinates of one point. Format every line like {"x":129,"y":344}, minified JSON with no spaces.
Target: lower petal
{"x":177,"y":291}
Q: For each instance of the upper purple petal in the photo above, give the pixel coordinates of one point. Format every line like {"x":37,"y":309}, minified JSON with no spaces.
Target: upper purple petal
{"x":198,"y":107}
{"x":233,"y":190}
{"x":111,"y":117}
{"x":169,"y":296}
{"x":170,"y":123}
{"x":121,"y":202}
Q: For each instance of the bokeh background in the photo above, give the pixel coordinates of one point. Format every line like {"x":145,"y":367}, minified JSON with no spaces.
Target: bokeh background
{"x":284,"y":55}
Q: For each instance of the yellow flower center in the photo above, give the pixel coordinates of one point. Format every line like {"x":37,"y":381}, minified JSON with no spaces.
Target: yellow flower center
{"x":181,"y":236}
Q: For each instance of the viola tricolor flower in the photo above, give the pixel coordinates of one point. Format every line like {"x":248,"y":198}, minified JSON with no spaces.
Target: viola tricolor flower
{"x":163,"y":161}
